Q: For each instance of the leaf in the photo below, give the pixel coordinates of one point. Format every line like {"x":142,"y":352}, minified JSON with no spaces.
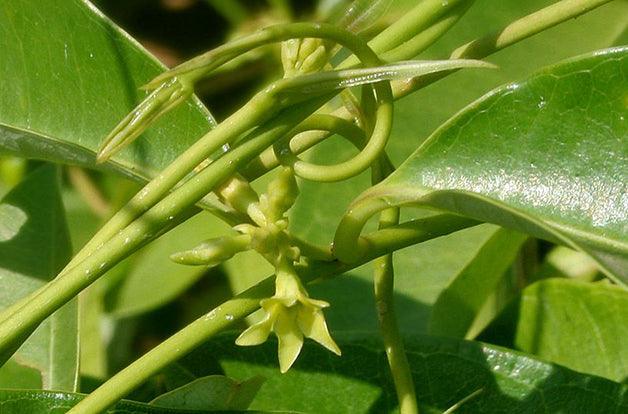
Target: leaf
{"x":583,"y":326}
{"x":540,"y":156}
{"x":49,"y":402}
{"x":70,"y":76}
{"x":34,"y":246}
{"x":214,"y":392}
{"x":445,"y":371}
{"x":16,"y":376}
{"x":459,"y":303}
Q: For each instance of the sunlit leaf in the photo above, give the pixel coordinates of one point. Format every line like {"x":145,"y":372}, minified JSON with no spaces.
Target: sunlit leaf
{"x":539,"y":156}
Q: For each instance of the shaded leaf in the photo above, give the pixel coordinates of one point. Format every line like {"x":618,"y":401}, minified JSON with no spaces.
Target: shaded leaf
{"x":215,"y":392}
{"x":151,"y":279}
{"x":445,"y":371}
{"x":48,"y":402}
{"x":583,"y":326}
{"x":459,"y":304}
{"x":34,"y":246}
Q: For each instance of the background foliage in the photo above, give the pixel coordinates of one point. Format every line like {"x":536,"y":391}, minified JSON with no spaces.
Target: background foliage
{"x":74,"y":73}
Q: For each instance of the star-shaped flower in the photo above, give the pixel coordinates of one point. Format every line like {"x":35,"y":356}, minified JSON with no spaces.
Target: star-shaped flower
{"x":292,"y":315}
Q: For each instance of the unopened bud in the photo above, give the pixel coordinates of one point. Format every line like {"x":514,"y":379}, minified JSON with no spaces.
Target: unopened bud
{"x":214,"y":251}
{"x":238,"y":194}
{"x":281,"y":194}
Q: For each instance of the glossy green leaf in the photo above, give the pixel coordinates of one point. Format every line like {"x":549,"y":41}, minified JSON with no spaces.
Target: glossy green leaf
{"x":542,"y":156}
{"x":445,"y":371}
{"x":459,"y":304}
{"x":48,"y":402}
{"x":34,"y":246}
{"x":214,"y":392}
{"x":583,"y":326}
{"x":70,"y":75}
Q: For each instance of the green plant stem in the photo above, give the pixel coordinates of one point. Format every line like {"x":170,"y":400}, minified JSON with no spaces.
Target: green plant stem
{"x":247,"y":302}
{"x":383,"y":284}
{"x":420,"y":17}
{"x":150,"y":225}
{"x":393,"y":343}
{"x":514,"y":32}
{"x":428,"y":36}
{"x":261,"y":107}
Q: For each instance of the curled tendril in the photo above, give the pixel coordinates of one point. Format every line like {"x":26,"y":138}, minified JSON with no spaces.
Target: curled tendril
{"x":171,"y":88}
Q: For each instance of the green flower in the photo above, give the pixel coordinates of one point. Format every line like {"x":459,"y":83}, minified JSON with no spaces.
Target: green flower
{"x":292,"y":315}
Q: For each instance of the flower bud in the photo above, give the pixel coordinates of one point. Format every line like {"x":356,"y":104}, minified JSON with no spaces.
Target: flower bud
{"x":238,"y":194}
{"x":301,"y":56}
{"x":281,"y":194}
{"x":213,"y":251}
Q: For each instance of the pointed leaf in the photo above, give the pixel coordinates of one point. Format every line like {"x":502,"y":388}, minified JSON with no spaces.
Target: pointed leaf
{"x":322,"y":82}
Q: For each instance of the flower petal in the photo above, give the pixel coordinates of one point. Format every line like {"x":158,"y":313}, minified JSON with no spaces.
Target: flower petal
{"x":256,"y":334}
{"x":313,"y":326}
{"x":290,"y":339}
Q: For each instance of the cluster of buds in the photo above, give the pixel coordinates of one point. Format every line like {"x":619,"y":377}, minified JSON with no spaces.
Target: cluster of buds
{"x":290,"y":313}
{"x":303,"y":56}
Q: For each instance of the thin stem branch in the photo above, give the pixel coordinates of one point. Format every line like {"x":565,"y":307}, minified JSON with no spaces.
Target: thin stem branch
{"x":247,"y":302}
{"x":88,"y":190}
{"x":383,"y":279}
{"x":512,"y":33}
{"x":393,"y":343}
